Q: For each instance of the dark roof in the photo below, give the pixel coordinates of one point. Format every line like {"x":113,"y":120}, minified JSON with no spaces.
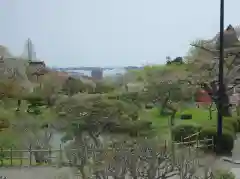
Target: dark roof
{"x":36,"y":63}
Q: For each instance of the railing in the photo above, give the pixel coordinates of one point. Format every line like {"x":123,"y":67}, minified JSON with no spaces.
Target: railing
{"x":198,"y":143}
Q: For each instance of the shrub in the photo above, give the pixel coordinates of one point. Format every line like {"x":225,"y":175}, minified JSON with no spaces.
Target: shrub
{"x":226,"y":142}
{"x":9,"y":139}
{"x":186,"y":116}
{"x":184,"y":130}
{"x":231,"y":121}
{"x":224,"y":174}
{"x":238,"y":122}
{"x":149,"y":106}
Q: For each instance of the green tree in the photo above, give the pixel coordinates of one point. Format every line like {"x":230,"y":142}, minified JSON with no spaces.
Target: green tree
{"x":100,"y":113}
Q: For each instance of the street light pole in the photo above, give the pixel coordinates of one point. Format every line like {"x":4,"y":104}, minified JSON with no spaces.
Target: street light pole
{"x":220,"y":74}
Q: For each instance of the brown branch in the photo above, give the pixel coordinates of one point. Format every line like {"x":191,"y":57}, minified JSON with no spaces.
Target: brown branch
{"x":203,"y":48}
{"x":168,"y":175}
{"x":231,"y":87}
{"x":229,"y":65}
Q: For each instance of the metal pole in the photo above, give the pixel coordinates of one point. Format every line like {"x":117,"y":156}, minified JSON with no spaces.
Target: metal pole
{"x":220,"y":75}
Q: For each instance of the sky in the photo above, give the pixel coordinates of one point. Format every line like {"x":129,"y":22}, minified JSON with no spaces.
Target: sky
{"x":110,"y":32}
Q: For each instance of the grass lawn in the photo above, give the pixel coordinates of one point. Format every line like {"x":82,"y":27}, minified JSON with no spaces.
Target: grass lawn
{"x":199,"y":116}
{"x":161,"y":123}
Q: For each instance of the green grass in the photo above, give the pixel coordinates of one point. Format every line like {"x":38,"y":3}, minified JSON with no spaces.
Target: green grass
{"x":160,"y":123}
{"x":200,"y":116}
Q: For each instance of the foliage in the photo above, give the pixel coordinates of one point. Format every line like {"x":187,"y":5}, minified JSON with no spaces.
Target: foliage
{"x":72,"y":86}
{"x":149,"y":106}
{"x":184,"y":130}
{"x":104,"y":107}
{"x":102,"y":87}
{"x":203,"y":61}
{"x":199,"y":115}
{"x":35,"y":102}
{"x":232,"y":123}
{"x":223,"y":145}
{"x":100,"y":113}
{"x":5,"y":119}
{"x":162,"y":80}
{"x":224,"y":174}
{"x":238,"y":121}
{"x":11,"y":89}
{"x":200,"y":121}
{"x":9,"y":138}
{"x":177,"y":61}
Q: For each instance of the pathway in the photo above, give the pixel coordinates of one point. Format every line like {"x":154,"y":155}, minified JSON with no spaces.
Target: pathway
{"x":37,"y":173}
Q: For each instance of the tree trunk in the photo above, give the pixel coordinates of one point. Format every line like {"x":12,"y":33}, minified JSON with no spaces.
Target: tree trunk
{"x":210,"y":111}
{"x":213,"y":92}
{"x":226,"y":110}
{"x":19,"y":102}
{"x":238,"y":110}
{"x":164,"y":105}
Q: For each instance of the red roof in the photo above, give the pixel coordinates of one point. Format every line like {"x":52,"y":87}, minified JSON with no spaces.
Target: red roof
{"x":202,"y":96}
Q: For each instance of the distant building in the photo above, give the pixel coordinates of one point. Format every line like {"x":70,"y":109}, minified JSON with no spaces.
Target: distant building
{"x":202,"y":98}
{"x":97,"y":74}
{"x":37,"y":67}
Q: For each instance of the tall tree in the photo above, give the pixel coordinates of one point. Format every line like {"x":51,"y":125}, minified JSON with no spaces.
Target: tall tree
{"x":206,"y":67}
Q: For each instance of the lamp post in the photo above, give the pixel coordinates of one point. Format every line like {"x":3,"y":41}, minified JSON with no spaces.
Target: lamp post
{"x":220,"y":74}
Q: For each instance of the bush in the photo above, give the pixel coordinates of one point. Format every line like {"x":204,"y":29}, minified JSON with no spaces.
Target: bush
{"x":224,"y":174}
{"x":8,"y":139}
{"x":231,"y":123}
{"x":186,"y":116}
{"x":184,"y":130}
{"x":225,"y":144}
{"x":238,"y":122}
{"x":149,"y":106}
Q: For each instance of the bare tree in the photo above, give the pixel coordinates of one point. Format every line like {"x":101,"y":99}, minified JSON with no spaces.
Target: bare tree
{"x":140,"y":158}
{"x":207,"y":78}
{"x":32,"y":132}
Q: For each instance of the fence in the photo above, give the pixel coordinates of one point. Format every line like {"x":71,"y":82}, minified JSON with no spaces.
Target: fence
{"x":26,"y":157}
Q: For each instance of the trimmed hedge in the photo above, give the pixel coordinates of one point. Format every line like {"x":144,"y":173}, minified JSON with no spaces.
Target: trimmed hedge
{"x":238,"y":122}
{"x":149,"y":106}
{"x":230,"y":127}
{"x":231,"y":123}
{"x":184,"y":130}
{"x":225,"y":144}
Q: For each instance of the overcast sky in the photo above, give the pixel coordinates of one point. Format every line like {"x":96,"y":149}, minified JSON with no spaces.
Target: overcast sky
{"x":110,"y":32}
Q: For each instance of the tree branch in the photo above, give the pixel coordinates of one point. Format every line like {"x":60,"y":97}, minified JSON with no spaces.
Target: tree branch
{"x":232,"y":62}
{"x":203,"y":48}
